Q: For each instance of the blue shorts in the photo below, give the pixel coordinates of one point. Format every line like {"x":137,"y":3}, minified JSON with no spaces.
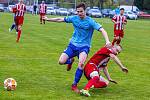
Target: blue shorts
{"x":73,"y":51}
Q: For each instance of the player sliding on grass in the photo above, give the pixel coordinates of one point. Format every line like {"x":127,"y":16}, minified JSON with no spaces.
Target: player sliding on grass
{"x":19,"y":11}
{"x":80,"y":42}
{"x":99,"y":62}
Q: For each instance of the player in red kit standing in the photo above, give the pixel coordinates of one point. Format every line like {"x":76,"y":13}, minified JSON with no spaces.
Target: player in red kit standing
{"x":19,"y":11}
{"x":99,"y":62}
{"x":119,"y":22}
{"x":42,"y":9}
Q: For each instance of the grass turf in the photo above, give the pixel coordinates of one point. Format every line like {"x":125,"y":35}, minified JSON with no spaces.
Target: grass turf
{"x":33,"y":61}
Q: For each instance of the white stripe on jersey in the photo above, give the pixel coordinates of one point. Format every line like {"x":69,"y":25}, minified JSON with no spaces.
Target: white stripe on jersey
{"x":117,"y":23}
{"x":42,"y":8}
{"x":20,"y":9}
{"x":119,"y":20}
{"x":120,"y":23}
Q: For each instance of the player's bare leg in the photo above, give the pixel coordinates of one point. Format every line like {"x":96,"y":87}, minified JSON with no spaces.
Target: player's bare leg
{"x":63,"y":58}
{"x":79,"y":71}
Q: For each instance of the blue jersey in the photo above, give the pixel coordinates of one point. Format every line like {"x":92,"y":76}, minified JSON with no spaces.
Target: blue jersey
{"x":83,"y":30}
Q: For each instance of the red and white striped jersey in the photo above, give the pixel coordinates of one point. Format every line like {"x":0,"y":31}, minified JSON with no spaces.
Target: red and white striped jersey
{"x":119,"y":19}
{"x":20,"y":9}
{"x":101,"y":57}
{"x":43,"y":8}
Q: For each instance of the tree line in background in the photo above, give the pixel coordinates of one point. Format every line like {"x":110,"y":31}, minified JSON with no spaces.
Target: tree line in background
{"x":141,"y":4}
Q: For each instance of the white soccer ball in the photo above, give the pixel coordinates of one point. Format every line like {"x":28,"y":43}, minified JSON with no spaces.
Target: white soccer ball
{"x":10,"y":84}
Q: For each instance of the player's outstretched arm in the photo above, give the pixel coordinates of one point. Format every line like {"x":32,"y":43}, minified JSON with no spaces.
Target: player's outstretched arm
{"x":104,"y":33}
{"x":53,"y":19}
{"x":118,"y":62}
{"x":105,"y":70}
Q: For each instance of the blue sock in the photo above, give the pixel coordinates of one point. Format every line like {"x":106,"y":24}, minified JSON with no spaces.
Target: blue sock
{"x":68,"y":61}
{"x":78,"y":76}
{"x":13,"y":26}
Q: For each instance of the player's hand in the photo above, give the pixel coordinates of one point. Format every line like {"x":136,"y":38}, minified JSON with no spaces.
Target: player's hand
{"x":113,"y":81}
{"x":124,"y":69}
{"x":44,"y":18}
{"x":124,"y":23}
{"x":117,"y":22}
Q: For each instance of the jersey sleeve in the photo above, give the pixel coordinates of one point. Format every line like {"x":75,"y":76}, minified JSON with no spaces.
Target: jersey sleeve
{"x":95,"y":25}
{"x":114,"y":18}
{"x":125,"y":19}
{"x":14,"y":9}
{"x":68,"y":19}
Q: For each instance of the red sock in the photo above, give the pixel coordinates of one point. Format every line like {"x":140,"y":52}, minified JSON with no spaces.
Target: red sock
{"x":19,"y":34}
{"x":100,"y":84}
{"x":91,"y":82}
{"x":113,"y":42}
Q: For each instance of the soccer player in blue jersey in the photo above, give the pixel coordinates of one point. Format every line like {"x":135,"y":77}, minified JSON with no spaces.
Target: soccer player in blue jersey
{"x":81,"y":40}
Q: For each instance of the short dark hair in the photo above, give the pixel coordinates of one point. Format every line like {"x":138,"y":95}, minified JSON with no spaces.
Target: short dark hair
{"x":121,"y":8}
{"x":81,"y":5}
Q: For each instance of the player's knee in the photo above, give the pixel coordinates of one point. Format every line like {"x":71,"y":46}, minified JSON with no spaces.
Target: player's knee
{"x":19,"y":27}
{"x":81,"y":65}
{"x":61,"y":62}
{"x":63,"y":58}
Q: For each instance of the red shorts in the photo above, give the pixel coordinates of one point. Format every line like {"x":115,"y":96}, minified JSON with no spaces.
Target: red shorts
{"x":19,"y":20}
{"x":42,"y":14}
{"x":88,"y":69}
{"x":119,"y":33}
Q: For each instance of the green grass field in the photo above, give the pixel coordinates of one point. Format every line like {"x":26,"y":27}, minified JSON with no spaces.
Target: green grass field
{"x":34,"y":61}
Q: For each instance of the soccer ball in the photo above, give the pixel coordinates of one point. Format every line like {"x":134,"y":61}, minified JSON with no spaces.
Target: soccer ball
{"x":10,"y":84}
